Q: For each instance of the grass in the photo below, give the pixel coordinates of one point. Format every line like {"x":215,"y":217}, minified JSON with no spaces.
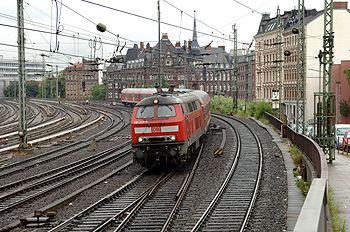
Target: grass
{"x":338,"y":225}
{"x":265,"y":121}
{"x":302,"y":184}
{"x":296,"y":155}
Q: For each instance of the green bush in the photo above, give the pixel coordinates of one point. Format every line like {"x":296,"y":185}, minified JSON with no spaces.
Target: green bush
{"x":224,"y":105}
{"x":262,"y":106}
{"x":296,"y":155}
{"x":303,"y":185}
{"x":221,"y":104}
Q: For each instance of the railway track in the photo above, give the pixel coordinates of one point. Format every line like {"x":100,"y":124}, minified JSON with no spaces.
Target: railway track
{"x":230,"y":208}
{"x":113,"y":128}
{"x":136,"y":205}
{"x":167,"y":206}
{"x":75,"y":119}
{"x":155,"y":209}
{"x":36,"y":186}
{"x":9,"y":113}
{"x":16,"y":193}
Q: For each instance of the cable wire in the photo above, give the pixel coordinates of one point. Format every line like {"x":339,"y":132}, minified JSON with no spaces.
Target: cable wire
{"x":153,"y":20}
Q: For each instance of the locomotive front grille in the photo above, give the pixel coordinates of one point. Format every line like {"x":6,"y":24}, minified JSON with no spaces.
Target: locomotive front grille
{"x":156,"y":139}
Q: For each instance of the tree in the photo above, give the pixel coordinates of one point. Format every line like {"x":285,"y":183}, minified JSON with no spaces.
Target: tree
{"x":9,"y":91}
{"x":32,"y":89}
{"x":347,"y":73}
{"x":344,"y":107}
{"x":98,"y":91}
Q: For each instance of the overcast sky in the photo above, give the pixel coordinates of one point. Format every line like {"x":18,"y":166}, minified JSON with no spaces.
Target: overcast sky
{"x":133,"y":20}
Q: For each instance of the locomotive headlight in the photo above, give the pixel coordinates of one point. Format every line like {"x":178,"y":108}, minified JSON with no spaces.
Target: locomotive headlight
{"x":173,"y":138}
{"x":140,"y":140}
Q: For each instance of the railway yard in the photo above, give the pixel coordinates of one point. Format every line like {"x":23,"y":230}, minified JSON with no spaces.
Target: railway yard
{"x":81,"y":176}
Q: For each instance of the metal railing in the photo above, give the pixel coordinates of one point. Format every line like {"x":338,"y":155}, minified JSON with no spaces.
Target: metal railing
{"x":313,"y":212}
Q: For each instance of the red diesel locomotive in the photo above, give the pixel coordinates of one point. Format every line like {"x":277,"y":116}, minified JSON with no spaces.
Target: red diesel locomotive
{"x":168,"y":127}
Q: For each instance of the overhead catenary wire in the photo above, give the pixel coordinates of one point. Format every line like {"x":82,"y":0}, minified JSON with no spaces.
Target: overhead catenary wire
{"x":196,"y":18}
{"x":86,"y":39}
{"x":48,"y":27}
{"x":48,"y":32}
{"x":247,"y":7}
{"x":81,"y":29}
{"x":68,"y":36}
{"x":43,"y":50}
{"x":94,"y":22}
{"x":155,"y":20}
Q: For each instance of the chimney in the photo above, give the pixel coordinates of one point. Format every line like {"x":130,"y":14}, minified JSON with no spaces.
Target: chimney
{"x":189,"y":45}
{"x":223,"y":47}
{"x":141,"y":46}
{"x":178,"y":44}
{"x":148,"y":47}
{"x":165,"y":36}
{"x":340,"y":5}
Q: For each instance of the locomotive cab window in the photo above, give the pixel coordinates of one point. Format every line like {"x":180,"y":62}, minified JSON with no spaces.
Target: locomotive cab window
{"x":165,"y":111}
{"x":145,"y":112}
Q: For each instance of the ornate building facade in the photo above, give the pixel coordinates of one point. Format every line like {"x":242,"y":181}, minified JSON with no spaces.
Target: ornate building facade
{"x":186,"y":65}
{"x":265,"y":54}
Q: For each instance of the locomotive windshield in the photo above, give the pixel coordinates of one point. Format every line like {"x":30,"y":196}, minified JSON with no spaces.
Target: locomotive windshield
{"x":165,"y":111}
{"x":145,"y":112}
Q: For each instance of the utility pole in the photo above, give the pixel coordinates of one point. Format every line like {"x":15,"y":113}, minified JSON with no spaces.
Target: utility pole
{"x":43,"y":81}
{"x":23,"y":148}
{"x":56,"y":81}
{"x":278,"y":62}
{"x":325,"y":107}
{"x":51,"y":76}
{"x":235,"y":70}
{"x":15,"y":90}
{"x":159,"y":47}
{"x":300,"y":122}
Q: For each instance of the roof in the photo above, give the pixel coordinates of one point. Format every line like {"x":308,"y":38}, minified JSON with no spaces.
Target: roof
{"x":289,"y":20}
{"x":132,"y":53}
{"x":215,"y":55}
{"x":168,"y":98}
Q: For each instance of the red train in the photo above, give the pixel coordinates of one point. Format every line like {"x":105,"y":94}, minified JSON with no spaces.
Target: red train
{"x":168,"y":127}
{"x":132,"y":96}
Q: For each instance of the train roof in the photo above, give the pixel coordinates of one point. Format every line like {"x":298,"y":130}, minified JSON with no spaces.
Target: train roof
{"x":201,"y":94}
{"x":168,"y":98}
{"x":141,"y":90}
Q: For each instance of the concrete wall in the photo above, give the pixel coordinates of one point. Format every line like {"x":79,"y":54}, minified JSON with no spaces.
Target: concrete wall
{"x":312,"y":217}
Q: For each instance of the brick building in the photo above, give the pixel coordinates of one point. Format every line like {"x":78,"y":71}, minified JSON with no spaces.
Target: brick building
{"x":80,"y":78}
{"x":246,"y":76}
{"x":186,"y":65}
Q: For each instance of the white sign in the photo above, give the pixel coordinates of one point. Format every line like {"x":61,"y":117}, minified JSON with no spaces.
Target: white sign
{"x":275,"y":105}
{"x":275,"y":95}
